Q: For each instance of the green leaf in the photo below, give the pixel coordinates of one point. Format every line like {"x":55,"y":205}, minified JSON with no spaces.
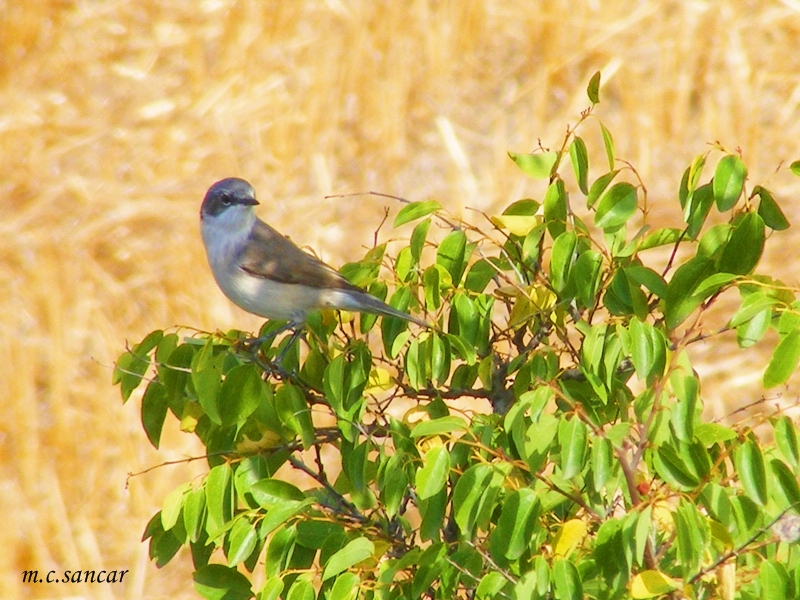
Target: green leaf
{"x":346,"y":587}
{"x":713,"y":284}
{"x":154,"y":411}
{"x":713,"y":433}
{"x":599,"y":186}
{"x":784,"y":360}
{"x":567,"y":580}
{"x":163,"y":544}
{"x":295,"y":413}
{"x":693,"y":177}
{"x":561,"y":259}
{"x":786,"y":440}
{"x":661,"y":237}
{"x":418,"y":237}
{"x":672,"y":468}
{"x":301,"y":589}
{"x":467,"y":495}
{"x":608,"y":142}
{"x":218,"y":582}
{"x":433,"y":512}
{"x":642,"y":349}
{"x":280,"y":514}
{"x":593,"y":89}
{"x":795,"y":167}
{"x":464,"y":352}
{"x":416,"y":210}
{"x":752,"y":472}
{"x":555,"y":208}
{"x":746,"y":244}
{"x":438,"y":426}
{"x":241,"y":393}
{"x":242,"y":541}
{"x":467,"y":318}
{"x":753,"y":330}
{"x":516,"y":525}
{"x":691,"y":530}
{"x":333,"y":381}
{"x":696,"y":211}
{"x":684,"y":413}
{"x":353,"y":553}
{"x":207,"y":379}
{"x":490,"y":585}
{"x":616,"y":206}
{"x":573,"y":437}
{"x":523,"y":208}
{"x":452,"y":255}
{"x":272,"y":589}
{"x":649,"y":278}
{"x":173,"y":503}
{"x":680,"y":300}
{"x":431,"y":565}
{"x":194,"y":513}
{"x":539,"y":166}
{"x":131,"y":366}
{"x":586,"y":277}
{"x":479,"y":275}
{"x":219,"y":497}
{"x":774,"y":580}
{"x":602,"y":457}
{"x":432,"y":476}
{"x":769,"y":210}
{"x":272,"y":492}
{"x":644,"y":522}
{"x":728,"y":180}
{"x":580,"y":163}
{"x":751,"y":306}
{"x":786,"y":488}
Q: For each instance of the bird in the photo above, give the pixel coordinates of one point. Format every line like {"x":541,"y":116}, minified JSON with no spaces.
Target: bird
{"x":265,"y":273}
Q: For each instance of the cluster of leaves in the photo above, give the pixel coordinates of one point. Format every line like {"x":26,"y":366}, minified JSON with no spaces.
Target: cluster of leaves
{"x":544,"y":439}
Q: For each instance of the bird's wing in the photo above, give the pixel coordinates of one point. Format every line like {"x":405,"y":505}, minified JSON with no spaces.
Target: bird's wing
{"x":270,"y":255}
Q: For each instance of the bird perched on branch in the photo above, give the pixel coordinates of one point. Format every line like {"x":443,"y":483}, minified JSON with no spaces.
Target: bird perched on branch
{"x":264,"y":272}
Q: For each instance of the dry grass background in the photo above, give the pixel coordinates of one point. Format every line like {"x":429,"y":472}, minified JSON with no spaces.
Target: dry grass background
{"x":115,"y":116}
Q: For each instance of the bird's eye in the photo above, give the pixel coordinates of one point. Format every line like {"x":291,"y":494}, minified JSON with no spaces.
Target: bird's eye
{"x":226,"y":200}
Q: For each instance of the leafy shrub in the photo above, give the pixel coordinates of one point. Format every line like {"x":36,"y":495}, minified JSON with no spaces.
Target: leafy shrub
{"x":545,"y":440}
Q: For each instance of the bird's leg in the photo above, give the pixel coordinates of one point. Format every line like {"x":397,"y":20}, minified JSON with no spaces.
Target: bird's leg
{"x":298,"y":330}
{"x":270,"y":335}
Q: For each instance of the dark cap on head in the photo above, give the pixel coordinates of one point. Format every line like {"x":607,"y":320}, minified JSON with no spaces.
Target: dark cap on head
{"x":225,"y":193}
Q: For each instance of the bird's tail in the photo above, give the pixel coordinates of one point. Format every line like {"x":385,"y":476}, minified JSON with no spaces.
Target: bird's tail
{"x":381,"y":308}
{"x":362,"y":301}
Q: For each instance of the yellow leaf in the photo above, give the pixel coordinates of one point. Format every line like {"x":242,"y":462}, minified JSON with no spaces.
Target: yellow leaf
{"x":334,"y":317}
{"x":520,"y":225}
{"x":268,"y":439}
{"x":538,"y":300}
{"x":571,"y":535}
{"x":662,"y":515}
{"x":191,"y":415}
{"x":414,"y":415}
{"x":726,"y":575}
{"x":380,"y":380}
{"x":720,"y":534}
{"x":648,"y":584}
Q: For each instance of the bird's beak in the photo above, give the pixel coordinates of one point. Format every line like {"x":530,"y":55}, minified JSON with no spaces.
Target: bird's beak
{"x":251,"y":202}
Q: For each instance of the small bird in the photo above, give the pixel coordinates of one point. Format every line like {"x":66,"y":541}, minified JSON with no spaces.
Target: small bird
{"x":264,"y":272}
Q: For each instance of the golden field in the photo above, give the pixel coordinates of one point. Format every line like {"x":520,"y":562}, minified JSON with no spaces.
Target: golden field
{"x":116,"y":116}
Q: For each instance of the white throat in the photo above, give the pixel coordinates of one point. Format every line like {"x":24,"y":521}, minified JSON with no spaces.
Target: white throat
{"x":226,"y":234}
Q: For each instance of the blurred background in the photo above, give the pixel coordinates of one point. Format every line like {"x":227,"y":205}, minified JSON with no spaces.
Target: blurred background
{"x":116,"y":116}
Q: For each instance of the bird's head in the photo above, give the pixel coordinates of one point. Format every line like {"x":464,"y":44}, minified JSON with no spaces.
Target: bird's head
{"x":231,"y":199}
